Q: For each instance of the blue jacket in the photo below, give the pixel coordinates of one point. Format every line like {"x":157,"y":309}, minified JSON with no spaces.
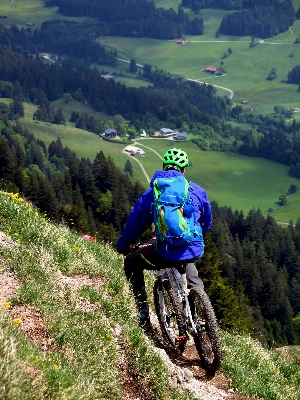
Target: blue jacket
{"x":141,"y":218}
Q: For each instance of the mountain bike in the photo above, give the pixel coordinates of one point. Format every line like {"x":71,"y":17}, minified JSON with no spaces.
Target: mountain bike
{"x":186,"y":314}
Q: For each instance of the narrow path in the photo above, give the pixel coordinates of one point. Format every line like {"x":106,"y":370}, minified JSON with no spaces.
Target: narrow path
{"x":154,"y":151}
{"x":138,"y":161}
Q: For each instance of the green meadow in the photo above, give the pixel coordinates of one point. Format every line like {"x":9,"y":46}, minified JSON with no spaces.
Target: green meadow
{"x":232,"y":180}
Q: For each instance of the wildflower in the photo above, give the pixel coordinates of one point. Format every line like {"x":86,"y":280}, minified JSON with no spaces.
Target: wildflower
{"x":6,"y":304}
{"x":110,"y":337}
{"x":55,"y":367}
{"x":17,"y":322}
{"x":37,"y":359}
{"x":76,"y":248}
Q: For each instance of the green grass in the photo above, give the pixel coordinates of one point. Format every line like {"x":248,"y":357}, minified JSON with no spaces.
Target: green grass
{"x":86,"y":358}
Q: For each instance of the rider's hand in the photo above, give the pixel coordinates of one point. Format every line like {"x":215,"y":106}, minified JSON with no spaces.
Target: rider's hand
{"x":125,"y":251}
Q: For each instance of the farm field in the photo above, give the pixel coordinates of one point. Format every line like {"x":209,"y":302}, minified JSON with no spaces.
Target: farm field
{"x":233,"y":180}
{"x":247,"y":68}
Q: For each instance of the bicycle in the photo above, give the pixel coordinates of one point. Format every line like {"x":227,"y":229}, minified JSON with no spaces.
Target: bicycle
{"x":183,"y":313}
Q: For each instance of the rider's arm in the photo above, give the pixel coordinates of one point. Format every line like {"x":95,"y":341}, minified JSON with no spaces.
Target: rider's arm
{"x":138,"y":221}
{"x":200,"y":200}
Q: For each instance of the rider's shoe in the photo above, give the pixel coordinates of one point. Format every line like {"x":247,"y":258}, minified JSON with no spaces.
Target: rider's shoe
{"x":144,"y":316}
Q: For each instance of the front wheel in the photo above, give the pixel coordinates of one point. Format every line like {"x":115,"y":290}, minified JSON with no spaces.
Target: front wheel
{"x":207,"y":338}
{"x":170,"y":319}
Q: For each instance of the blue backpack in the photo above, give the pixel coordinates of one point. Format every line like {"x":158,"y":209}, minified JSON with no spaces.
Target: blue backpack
{"x":173,"y":212}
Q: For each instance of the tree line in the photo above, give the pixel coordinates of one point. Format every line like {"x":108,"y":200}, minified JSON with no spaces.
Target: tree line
{"x":133,"y":18}
{"x":90,"y":197}
{"x":263,"y":21}
{"x":61,"y":38}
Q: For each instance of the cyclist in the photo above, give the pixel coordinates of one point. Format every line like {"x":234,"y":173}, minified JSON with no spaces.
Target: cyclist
{"x":175,"y":162}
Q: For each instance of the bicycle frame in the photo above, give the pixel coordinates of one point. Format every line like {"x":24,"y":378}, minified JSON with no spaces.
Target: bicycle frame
{"x":179,"y":285}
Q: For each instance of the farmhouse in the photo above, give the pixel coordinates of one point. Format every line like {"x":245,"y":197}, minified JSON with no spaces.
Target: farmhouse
{"x":3,"y":16}
{"x":166,"y":132}
{"x":210,"y":70}
{"x":181,"y":136}
{"x":180,"y":42}
{"x":112,"y":133}
{"x":30,"y":24}
{"x":134,"y":151}
{"x":250,"y":108}
{"x":244,"y":101}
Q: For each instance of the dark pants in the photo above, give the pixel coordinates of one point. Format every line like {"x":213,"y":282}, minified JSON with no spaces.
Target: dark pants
{"x":148,"y":258}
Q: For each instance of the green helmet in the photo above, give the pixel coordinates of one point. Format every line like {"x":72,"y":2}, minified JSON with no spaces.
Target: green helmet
{"x":176,"y":157}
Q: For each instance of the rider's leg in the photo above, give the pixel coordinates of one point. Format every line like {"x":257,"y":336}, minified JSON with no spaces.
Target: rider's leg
{"x":193,"y":277}
{"x":134,"y":265}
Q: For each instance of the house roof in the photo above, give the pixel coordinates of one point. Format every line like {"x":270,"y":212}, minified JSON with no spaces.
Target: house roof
{"x":166,"y":130}
{"x":134,"y":149}
{"x":181,"y":134}
{"x":110,"y":130}
{"x":210,"y":69}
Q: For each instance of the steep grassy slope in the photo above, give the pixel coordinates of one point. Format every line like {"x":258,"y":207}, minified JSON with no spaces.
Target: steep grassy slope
{"x":68,"y":325}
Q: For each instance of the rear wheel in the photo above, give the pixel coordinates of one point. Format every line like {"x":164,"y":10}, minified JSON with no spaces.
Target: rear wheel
{"x":173,"y":327}
{"x":207,"y":338}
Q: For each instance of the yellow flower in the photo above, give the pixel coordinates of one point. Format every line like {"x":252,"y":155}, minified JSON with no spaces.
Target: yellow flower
{"x":5,"y":304}
{"x":76,"y":248}
{"x":55,"y":367}
{"x":110,"y":337}
{"x":37,"y":359}
{"x":17,"y":322}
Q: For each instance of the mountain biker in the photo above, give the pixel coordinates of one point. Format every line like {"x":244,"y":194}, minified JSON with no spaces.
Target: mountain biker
{"x":175,"y":162}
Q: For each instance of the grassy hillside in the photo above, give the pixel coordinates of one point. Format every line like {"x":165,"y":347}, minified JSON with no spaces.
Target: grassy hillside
{"x":68,"y":325}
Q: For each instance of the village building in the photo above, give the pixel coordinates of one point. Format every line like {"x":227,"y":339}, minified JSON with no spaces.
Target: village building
{"x":112,"y":133}
{"x":210,"y":70}
{"x":3,"y":16}
{"x":180,"y":42}
{"x":181,"y":136}
{"x":134,"y":151}
{"x":30,"y":24}
{"x":166,"y":132}
{"x":244,"y":101}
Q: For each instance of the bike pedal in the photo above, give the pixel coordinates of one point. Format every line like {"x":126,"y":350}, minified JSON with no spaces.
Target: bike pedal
{"x":181,"y":340}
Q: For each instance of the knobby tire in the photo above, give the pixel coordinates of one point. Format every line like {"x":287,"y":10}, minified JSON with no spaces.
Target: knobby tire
{"x":174,"y":326}
{"x":207,"y":339}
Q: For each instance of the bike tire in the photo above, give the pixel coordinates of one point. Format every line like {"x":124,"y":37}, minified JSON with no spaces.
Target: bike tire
{"x":174,"y":328}
{"x":207,"y":339}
